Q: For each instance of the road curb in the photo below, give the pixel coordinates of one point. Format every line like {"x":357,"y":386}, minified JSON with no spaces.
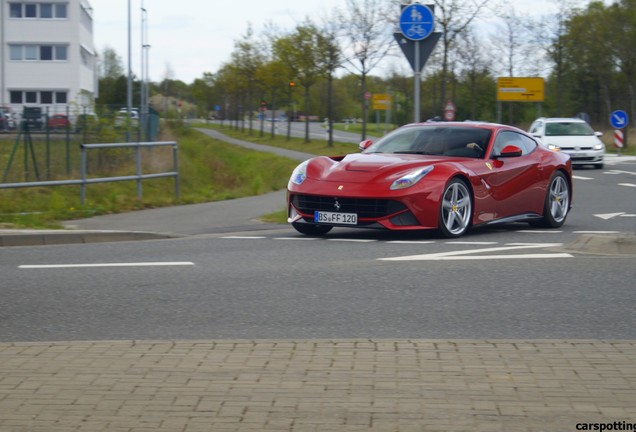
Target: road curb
{"x":606,"y":244}
{"x":59,"y":237}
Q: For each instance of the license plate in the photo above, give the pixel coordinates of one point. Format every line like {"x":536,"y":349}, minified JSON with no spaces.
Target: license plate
{"x":336,"y":218}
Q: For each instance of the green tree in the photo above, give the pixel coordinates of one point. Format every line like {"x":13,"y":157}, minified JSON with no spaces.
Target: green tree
{"x":298,"y":52}
{"x":454,"y":18}
{"x":202,"y":90}
{"x":248,"y":56}
{"x":331,"y":55}
{"x":364,"y":23}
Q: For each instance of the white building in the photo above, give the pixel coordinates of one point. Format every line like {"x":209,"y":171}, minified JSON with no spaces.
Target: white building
{"x":47,"y":56}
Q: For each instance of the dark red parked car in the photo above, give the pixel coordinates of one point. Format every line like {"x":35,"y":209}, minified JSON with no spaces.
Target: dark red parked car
{"x":59,"y":121}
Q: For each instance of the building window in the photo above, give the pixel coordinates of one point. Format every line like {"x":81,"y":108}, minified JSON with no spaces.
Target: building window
{"x":60,"y":10}
{"x":61,"y":52}
{"x":60,"y":97}
{"x":87,"y":57}
{"x":46,"y":97}
{"x":46,"y":52}
{"x":31,"y":97}
{"x":15,"y":10}
{"x":16,"y":97}
{"x":30,"y":52}
{"x":38,"y":52}
{"x":15,"y":52}
{"x":46,"y":10}
{"x":86,"y":19}
{"x":38,"y":10}
{"x":31,"y":10}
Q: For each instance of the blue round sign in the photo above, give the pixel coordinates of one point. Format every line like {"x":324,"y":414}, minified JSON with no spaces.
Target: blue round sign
{"x":417,"y":22}
{"x":619,"y":119}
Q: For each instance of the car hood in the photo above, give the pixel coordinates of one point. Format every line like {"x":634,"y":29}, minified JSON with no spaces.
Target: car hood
{"x":367,"y":167}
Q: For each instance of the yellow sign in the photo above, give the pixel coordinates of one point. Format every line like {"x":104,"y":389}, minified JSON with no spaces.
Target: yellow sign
{"x":381,"y":101}
{"x":520,"y":89}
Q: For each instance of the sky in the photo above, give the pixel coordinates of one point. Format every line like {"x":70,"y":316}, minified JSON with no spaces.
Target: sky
{"x":190,"y":37}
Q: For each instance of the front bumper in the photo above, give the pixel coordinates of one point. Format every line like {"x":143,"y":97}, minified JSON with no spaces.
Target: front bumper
{"x":416,"y":209}
{"x":585,"y":157}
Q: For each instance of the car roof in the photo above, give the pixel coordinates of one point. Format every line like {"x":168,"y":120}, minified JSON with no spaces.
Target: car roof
{"x":467,"y":124}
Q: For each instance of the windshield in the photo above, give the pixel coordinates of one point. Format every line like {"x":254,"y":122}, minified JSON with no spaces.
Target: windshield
{"x":438,"y":141}
{"x":568,"y":129}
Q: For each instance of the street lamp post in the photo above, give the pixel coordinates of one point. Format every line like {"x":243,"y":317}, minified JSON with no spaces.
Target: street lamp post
{"x":145,"y":48}
{"x":129,"y":86}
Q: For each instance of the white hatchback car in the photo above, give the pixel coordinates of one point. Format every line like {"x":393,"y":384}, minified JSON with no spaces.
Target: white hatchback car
{"x":572,"y":136}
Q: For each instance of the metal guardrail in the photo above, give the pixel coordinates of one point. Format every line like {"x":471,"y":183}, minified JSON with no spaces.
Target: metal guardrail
{"x":138,"y":176}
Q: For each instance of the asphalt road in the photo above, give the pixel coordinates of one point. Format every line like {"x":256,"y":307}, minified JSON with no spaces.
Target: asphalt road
{"x":507,"y":282}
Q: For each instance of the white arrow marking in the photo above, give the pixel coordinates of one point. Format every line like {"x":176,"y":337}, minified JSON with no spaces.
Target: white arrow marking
{"x":467,"y":254}
{"x":607,"y":216}
{"x":619,"y":119}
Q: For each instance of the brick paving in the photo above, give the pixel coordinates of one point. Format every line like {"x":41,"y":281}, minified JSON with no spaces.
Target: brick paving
{"x":316,"y":385}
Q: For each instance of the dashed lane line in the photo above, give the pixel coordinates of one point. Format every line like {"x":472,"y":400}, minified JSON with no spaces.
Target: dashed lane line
{"x":93,"y":265}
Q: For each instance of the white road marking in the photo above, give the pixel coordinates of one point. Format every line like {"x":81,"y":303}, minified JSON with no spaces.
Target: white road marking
{"x":606,"y":216}
{"x":469,"y":254}
{"x":296,"y":238}
{"x":132,"y":264}
{"x":469,"y":243}
{"x":410,"y":242}
{"x":582,"y":178}
{"x":243,"y":237}
{"x":539,"y":231}
{"x":595,"y":232}
{"x":488,"y":257}
{"x":352,"y":240}
{"x":627,"y":184}
{"x":614,"y":172}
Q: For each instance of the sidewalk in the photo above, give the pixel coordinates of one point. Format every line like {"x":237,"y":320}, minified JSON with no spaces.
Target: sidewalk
{"x":304,"y":385}
{"x":316,"y":385}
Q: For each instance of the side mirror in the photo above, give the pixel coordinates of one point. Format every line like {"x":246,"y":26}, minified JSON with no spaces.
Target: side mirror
{"x":598,"y":134}
{"x":365,"y":144}
{"x":510,"y":151}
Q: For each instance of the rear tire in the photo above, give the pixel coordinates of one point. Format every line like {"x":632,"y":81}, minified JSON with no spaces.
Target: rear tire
{"x":312,"y":230}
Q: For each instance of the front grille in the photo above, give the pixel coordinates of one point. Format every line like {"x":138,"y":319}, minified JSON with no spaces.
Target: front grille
{"x":364,"y":207}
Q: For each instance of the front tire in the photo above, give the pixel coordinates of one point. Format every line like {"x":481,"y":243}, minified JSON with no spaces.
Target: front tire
{"x":455,"y":210}
{"x":557,"y":201}
{"x":312,"y":230}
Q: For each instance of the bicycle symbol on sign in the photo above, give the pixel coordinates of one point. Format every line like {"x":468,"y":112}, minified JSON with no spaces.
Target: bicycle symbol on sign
{"x":416,"y":30}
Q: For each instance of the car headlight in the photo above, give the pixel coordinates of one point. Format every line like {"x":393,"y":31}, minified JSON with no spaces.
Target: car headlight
{"x":599,"y":146}
{"x":300,"y":173}
{"x":553,"y":147}
{"x":411,"y":178}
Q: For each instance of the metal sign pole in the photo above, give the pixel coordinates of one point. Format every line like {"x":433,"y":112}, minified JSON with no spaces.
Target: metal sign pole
{"x":416,"y":85}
